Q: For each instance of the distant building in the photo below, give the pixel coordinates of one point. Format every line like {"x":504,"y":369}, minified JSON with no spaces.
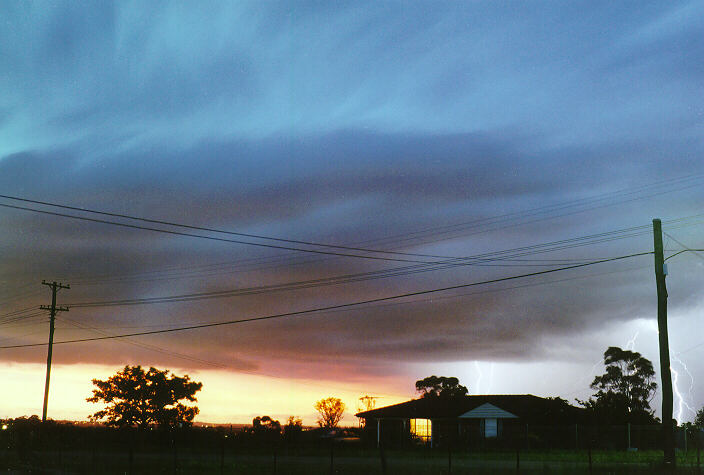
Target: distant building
{"x":499,"y":420}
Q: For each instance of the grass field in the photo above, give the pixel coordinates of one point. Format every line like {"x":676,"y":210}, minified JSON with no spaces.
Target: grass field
{"x":345,"y":461}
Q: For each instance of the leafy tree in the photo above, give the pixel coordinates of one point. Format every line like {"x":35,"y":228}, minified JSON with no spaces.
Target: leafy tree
{"x":624,"y":391}
{"x":699,"y":419}
{"x":440,"y":386}
{"x":264,"y":429}
{"x":266,"y":424}
{"x":138,"y":398}
{"x":293,"y":428}
{"x":331,"y":410}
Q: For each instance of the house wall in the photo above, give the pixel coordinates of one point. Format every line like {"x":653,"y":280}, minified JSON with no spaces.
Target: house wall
{"x":393,"y":432}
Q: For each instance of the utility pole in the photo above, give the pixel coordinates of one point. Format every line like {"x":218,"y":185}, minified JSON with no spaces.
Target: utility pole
{"x":55,"y":287}
{"x":660,"y":272}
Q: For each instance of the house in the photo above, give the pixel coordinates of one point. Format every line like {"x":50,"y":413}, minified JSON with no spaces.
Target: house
{"x":499,"y":420}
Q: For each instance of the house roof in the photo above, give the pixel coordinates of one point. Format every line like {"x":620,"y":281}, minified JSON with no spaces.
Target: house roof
{"x":525,"y":406}
{"x":487,"y":410}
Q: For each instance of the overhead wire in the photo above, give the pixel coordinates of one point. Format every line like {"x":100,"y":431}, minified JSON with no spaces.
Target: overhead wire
{"x":625,"y":192}
{"x":211,"y":238}
{"x":480,"y":259}
{"x":335,"y":280}
{"x":334,"y":307}
{"x":147,"y":346}
{"x":432,"y":299}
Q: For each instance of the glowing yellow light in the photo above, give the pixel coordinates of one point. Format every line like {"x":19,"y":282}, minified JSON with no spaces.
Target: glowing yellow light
{"x":4,"y":427}
{"x":421,"y":428}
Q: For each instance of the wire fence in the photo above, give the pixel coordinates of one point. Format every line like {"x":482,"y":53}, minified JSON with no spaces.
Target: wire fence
{"x":71,"y":449}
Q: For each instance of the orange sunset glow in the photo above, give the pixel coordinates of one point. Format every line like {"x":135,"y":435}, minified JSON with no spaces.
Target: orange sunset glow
{"x":350,"y":225}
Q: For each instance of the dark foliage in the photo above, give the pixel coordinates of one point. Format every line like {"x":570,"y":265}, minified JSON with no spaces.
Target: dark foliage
{"x":136,"y":398}
{"x":624,"y":391}
{"x":293,"y":429}
{"x":440,"y":386}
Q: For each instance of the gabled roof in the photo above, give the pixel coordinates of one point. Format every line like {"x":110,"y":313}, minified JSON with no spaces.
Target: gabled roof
{"x":487,"y":410}
{"x":524,"y":406}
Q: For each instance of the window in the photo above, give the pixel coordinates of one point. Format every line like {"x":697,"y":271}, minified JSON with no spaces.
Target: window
{"x":491,"y":429}
{"x":421,"y":428}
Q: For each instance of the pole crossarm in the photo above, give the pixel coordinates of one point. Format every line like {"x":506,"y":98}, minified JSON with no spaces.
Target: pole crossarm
{"x":57,"y":309}
{"x":53,"y":309}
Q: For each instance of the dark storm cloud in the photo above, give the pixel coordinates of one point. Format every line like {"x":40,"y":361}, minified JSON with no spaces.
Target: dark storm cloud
{"x":343,"y":124}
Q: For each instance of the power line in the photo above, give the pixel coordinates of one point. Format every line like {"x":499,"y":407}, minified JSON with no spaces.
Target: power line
{"x":235,"y":241}
{"x":435,"y":298}
{"x":686,"y":248}
{"x":213,"y":230}
{"x":394,"y":272}
{"x":524,"y":213}
{"x":211,"y":238}
{"x":300,"y":285}
{"x":626,"y":192}
{"x":486,"y":260}
{"x":146,"y":346}
{"x":480,"y":259}
{"x":332,"y":307}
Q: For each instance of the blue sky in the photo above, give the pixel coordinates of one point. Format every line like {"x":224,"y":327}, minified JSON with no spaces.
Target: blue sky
{"x":351,"y":123}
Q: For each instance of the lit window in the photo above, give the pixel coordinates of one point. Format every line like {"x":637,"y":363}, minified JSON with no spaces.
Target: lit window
{"x":421,"y":428}
{"x":490,"y":428}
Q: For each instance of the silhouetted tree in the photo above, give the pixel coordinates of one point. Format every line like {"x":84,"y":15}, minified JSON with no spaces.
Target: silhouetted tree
{"x":266,"y":424}
{"x":293,"y":429}
{"x":625,"y":390}
{"x":366,"y":403}
{"x":699,"y":419}
{"x":331,"y":411}
{"x":138,"y":398}
{"x":264,"y":429}
{"x":440,"y":386}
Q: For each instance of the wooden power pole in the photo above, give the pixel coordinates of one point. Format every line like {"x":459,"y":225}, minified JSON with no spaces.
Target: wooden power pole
{"x":660,"y":273}
{"x":55,"y":287}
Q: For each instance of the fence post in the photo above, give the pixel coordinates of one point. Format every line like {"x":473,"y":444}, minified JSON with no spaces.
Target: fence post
{"x":527,"y":438}
{"x":685,"y":439}
{"x":222,"y":456}
{"x":130,"y":464}
{"x":589,"y":452}
{"x":699,"y":433}
{"x":173,"y":444}
{"x":332,"y":456}
{"x":382,"y":457}
{"x":518,"y":458}
{"x":449,"y":457}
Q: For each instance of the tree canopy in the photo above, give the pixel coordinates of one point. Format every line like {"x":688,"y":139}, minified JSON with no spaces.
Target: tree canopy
{"x":624,"y":391}
{"x":331,"y":410}
{"x":135,"y":397}
{"x":440,"y":386}
{"x":699,"y":419}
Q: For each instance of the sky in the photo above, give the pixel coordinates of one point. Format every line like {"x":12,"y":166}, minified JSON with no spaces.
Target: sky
{"x":354,"y":152}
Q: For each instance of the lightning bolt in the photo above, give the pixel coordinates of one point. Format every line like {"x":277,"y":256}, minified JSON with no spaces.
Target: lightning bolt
{"x":631,"y":344}
{"x":681,"y":402}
